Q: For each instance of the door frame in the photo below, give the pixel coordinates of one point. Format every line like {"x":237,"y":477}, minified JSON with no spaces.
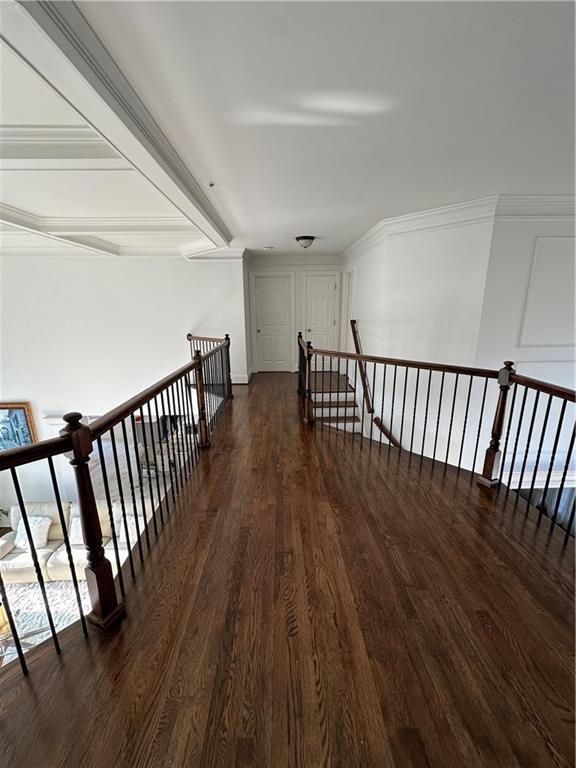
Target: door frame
{"x":291,"y":319}
{"x":335,"y":273}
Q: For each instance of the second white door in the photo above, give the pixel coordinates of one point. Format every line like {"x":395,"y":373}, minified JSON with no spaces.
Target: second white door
{"x":322,"y":299}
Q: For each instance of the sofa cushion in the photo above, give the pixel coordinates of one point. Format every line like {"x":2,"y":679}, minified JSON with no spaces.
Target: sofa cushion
{"x":7,"y":543}
{"x":17,"y":567}
{"x":39,"y":527}
{"x":42,"y":509}
{"x":58,"y":567}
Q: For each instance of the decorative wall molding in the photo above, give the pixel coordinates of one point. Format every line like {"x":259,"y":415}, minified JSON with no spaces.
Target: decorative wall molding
{"x":51,"y":36}
{"x":54,"y":141}
{"x":535,"y":206}
{"x":214,"y":254}
{"x":455,"y":214}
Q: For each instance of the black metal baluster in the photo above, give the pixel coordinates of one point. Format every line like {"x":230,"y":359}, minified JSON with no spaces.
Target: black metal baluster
{"x":426,"y":413}
{"x":528,"y":441}
{"x":415,"y":408}
{"x":345,"y":398}
{"x":403,"y":411}
{"x":166,"y":440}
{"x":34,"y":554}
{"x":373,"y":393}
{"x":140,"y":481}
{"x":451,"y":421}
{"x":465,"y":422}
{"x":561,"y":489}
{"x":480,"y":419}
{"x":183,"y":427}
{"x":539,"y":453}
{"x":382,"y":407}
{"x":330,"y":399}
{"x":110,"y":515}
{"x":71,"y":565}
{"x":392,"y":409}
{"x":323,"y":395}
{"x":132,"y":492}
{"x":509,"y":427}
{"x":355,"y":396}
{"x":190,"y":402}
{"x":176,"y":431}
{"x":122,"y":504}
{"x":364,"y":380}
{"x":440,"y":396}
{"x":13,"y":627}
{"x":149,"y":470}
{"x":155,"y":454}
{"x":516,"y":440}
{"x":552,"y":457}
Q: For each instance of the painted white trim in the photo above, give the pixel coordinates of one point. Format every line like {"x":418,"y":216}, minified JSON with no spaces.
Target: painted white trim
{"x":292,"y":320}
{"x":241,"y":378}
{"x":535,"y":206}
{"x":58,"y":43}
{"x":50,"y":142}
{"x":214,"y":254}
{"x":434,"y":218}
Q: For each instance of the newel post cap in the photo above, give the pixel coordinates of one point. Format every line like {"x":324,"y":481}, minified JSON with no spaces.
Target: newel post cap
{"x":80,"y":434}
{"x":189,"y":336}
{"x":505,"y":373}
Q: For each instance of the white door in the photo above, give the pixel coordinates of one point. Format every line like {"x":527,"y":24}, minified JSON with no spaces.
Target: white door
{"x":272,"y":305}
{"x":322,"y":310}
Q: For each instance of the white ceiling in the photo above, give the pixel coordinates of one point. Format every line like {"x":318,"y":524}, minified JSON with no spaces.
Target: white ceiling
{"x":64,"y":189}
{"x":325,"y":118}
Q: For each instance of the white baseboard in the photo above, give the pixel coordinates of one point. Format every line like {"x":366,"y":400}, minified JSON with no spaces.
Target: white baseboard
{"x":241,"y":378}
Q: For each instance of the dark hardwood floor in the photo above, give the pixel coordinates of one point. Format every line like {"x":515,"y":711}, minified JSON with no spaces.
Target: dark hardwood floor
{"x":312,"y":603}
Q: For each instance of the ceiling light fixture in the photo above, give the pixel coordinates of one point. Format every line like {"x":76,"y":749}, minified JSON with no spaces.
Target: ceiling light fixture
{"x":305,"y":240}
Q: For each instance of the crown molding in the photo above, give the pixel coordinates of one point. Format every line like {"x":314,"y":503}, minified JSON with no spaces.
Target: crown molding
{"x":214,"y":255}
{"x":535,"y":206}
{"x":122,"y":225}
{"x":55,"y":39}
{"x":455,"y":214}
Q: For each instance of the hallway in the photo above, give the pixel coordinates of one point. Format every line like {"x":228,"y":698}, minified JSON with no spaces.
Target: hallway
{"x":313,"y":604}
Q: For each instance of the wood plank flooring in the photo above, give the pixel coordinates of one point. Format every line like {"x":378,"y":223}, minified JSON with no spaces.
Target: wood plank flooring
{"x":315,"y":603}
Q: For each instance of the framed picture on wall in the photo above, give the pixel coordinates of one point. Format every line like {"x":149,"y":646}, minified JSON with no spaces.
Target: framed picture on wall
{"x":16,"y":425}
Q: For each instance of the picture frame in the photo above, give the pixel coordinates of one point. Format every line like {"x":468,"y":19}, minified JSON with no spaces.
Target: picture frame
{"x":17,"y":426}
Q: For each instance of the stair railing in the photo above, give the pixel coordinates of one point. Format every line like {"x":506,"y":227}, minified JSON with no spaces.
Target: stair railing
{"x":445,"y":414}
{"x":129,"y":467}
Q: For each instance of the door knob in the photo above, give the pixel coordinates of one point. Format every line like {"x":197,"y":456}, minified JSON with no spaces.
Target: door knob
{"x":308,"y":330}
{"x":258,"y":330}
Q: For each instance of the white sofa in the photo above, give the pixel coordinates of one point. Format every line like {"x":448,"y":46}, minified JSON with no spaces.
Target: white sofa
{"x":16,"y":564}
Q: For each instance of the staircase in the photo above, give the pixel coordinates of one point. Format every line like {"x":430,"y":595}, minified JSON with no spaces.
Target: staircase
{"x":334,"y":401}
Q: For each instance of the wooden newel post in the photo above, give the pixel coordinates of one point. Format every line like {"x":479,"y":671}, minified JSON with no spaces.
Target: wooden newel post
{"x":203,"y":433}
{"x":106,"y":610}
{"x":491,"y":470}
{"x":308,"y":405}
{"x":229,"y":393}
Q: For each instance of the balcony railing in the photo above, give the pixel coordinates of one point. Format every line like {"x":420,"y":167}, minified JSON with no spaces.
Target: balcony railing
{"x":514,"y":433}
{"x":93,"y":531}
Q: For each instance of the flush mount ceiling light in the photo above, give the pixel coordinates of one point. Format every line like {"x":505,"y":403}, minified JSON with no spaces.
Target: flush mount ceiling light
{"x":305,"y":240}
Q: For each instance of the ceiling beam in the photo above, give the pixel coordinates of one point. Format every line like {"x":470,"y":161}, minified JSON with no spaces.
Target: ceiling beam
{"x":29,"y":222}
{"x":52,"y":36}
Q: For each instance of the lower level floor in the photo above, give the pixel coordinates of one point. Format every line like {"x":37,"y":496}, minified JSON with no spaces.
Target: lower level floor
{"x":317,"y":601}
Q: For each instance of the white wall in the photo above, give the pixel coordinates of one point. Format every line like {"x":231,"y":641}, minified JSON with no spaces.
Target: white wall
{"x":86,"y":334}
{"x":528,"y":311}
{"x":418,"y":294}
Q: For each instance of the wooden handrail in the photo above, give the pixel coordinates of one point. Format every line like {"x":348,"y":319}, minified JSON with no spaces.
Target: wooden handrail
{"x":486,"y":373}
{"x":546,"y":387}
{"x":191,"y":337}
{"x":386,"y":432}
{"x":26,"y":454}
{"x":362,"y":368}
